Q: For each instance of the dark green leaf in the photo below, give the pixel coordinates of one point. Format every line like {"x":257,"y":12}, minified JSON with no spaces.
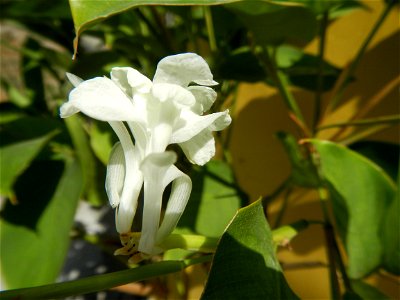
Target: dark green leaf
{"x":276,"y":24}
{"x":35,"y":232}
{"x":302,"y":69}
{"x":361,"y":193}
{"x":241,"y":65}
{"x":391,"y":236}
{"x":362,"y":290}
{"x":16,"y":157}
{"x":213,"y":202}
{"x":245,"y":265}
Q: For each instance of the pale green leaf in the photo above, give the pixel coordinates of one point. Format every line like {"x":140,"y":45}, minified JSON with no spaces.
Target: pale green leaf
{"x":213,"y":201}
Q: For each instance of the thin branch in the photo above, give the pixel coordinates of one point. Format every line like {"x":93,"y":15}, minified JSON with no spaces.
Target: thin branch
{"x":281,"y":82}
{"x":392,"y":119}
{"x":349,"y":73}
{"x":320,"y":78}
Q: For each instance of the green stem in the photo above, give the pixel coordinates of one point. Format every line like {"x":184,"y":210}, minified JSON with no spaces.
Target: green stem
{"x":281,"y":82}
{"x":101,"y":282}
{"x":284,"y":234}
{"x":373,"y":121}
{"x":320,"y":78}
{"x":210,"y":29}
{"x":363,"y":134}
{"x":283,"y":208}
{"x":353,"y":66}
{"x":190,"y":242}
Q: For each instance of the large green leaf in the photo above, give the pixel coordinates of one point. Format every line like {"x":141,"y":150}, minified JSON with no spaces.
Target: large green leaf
{"x":34,"y":233}
{"x":86,"y":13}
{"x":213,"y":202}
{"x":361,"y":193}
{"x":16,"y":157}
{"x":273,"y":23}
{"x":245,"y":265}
{"x":391,"y":236}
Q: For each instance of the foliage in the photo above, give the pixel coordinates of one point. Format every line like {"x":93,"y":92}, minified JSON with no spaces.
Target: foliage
{"x":49,"y":164}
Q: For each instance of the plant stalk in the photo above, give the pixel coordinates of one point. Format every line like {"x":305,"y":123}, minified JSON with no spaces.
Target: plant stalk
{"x":348,"y":75}
{"x":320,"y":78}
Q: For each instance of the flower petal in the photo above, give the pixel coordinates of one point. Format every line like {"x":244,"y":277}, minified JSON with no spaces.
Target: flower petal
{"x":200,"y":148}
{"x":183,"y":69}
{"x":205,"y":97}
{"x":75,"y":80}
{"x":131,"y":81}
{"x":133,"y":180}
{"x":101,"y":99}
{"x":115,"y":175}
{"x":154,"y":168}
{"x":171,"y":92}
{"x":195,"y":124}
{"x":180,"y":193}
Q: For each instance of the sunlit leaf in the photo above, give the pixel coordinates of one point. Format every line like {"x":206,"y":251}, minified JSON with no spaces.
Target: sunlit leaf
{"x":213,"y":202}
{"x":93,"y":171}
{"x":245,"y":265}
{"x":102,"y":140}
{"x":361,"y":193}
{"x":34,"y":233}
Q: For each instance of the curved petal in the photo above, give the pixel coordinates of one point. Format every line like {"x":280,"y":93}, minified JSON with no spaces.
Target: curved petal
{"x":154,"y":168}
{"x":130,"y":80}
{"x":133,"y":180}
{"x":180,"y":193}
{"x":171,"y":92}
{"x":75,"y":80}
{"x":194,"y":124}
{"x":101,"y":99}
{"x":205,"y":97}
{"x":200,"y":148}
{"x":183,"y":69}
{"x":115,"y":175}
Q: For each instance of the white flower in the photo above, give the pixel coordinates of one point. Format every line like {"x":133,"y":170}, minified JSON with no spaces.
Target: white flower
{"x":164,"y":111}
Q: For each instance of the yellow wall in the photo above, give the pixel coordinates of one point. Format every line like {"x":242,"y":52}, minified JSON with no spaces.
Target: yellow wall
{"x":259,"y":160}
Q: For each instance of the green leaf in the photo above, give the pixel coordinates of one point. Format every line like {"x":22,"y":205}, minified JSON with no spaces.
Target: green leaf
{"x":362,"y":290}
{"x":102,"y":140}
{"x":361,"y":193}
{"x":16,"y":157}
{"x":93,"y":171}
{"x":385,"y":155}
{"x":391,"y":236}
{"x":275,"y":23}
{"x":35,"y":233}
{"x":241,"y":65}
{"x":302,"y":68}
{"x":213,"y":201}
{"x":245,"y":265}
